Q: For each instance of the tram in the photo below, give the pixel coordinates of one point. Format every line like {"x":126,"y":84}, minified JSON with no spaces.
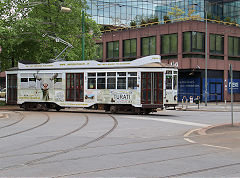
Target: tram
{"x":140,"y":86}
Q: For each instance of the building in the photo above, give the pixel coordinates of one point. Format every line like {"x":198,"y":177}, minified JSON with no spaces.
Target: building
{"x":183,"y":43}
{"x":120,"y":13}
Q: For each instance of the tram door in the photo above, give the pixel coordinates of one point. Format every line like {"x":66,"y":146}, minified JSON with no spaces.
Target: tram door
{"x":12,"y":89}
{"x":75,"y":87}
{"x":152,"y":88}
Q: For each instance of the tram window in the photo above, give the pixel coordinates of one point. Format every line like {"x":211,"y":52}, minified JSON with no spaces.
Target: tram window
{"x":168,"y":72}
{"x":121,"y":83}
{"x":101,"y":83}
{"x":132,"y":82}
{"x":175,"y":82}
{"x":121,"y":73}
{"x":91,"y":74}
{"x":132,"y":74}
{"x":111,"y":74}
{"x":101,"y":74}
{"x":24,"y":80}
{"x":32,"y":79}
{"x":92,"y":83}
{"x":57,"y":80}
{"x":175,"y":72}
{"x":169,"y":82}
{"x":111,"y":83}
{"x":32,"y":82}
{"x":91,"y":80}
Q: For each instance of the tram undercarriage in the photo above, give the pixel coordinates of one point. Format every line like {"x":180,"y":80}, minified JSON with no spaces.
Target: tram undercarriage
{"x":114,"y":109}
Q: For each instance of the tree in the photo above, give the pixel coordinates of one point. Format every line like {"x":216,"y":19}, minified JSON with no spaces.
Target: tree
{"x":176,"y":12}
{"x":191,"y":13}
{"x":25,"y":21}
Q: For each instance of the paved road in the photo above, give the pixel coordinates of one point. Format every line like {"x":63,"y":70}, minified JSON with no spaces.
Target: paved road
{"x":80,"y":144}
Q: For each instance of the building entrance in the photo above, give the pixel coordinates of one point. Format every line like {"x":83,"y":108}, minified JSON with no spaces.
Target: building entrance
{"x":215,"y":91}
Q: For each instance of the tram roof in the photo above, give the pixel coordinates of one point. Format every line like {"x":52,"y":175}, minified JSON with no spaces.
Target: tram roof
{"x":153,"y":61}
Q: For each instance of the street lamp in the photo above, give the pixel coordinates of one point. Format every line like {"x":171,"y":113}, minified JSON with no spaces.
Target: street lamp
{"x":206,"y":57}
{"x":83,"y":35}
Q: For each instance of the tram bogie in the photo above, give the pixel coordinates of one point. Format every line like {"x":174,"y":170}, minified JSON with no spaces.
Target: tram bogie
{"x":140,"y":86}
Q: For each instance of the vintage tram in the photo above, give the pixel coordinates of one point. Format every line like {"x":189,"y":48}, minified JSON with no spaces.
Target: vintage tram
{"x":140,"y":86}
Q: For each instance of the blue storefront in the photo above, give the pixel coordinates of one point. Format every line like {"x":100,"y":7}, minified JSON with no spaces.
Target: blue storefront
{"x":192,"y":84}
{"x":236,"y":82}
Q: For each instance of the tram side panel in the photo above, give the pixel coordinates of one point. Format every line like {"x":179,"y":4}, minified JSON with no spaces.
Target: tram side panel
{"x":171,"y":85}
{"x":40,"y":87}
{"x":77,"y":90}
{"x":107,"y":88}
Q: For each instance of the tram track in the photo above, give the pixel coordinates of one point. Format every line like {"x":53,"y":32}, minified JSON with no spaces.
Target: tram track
{"x":134,"y":165}
{"x":64,"y":151}
{"x":113,"y":145}
{"x":19,"y":120}
{"x":202,"y":170}
{"x":119,"y":153}
{"x":50,"y":140}
{"x":26,"y":130}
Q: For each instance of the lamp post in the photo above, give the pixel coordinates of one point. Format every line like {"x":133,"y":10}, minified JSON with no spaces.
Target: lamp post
{"x":83,"y":35}
{"x":206,"y":46}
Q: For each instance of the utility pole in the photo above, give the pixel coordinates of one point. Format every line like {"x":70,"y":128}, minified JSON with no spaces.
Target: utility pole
{"x":83,"y":36}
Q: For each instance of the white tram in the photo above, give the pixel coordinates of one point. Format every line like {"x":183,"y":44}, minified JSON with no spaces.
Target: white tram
{"x":140,"y":86}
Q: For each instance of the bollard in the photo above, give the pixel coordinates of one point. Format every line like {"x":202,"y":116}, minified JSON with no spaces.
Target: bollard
{"x":186,"y":103}
{"x":225,"y":104}
{"x":182,"y":103}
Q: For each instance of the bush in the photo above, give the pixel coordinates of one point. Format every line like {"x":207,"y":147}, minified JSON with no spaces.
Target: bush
{"x":166,"y":19}
{"x":133,"y":23}
{"x":2,"y":103}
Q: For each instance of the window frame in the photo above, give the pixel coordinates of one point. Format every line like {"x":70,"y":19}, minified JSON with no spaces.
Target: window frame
{"x":131,"y":53}
{"x":148,"y":45}
{"x":170,"y":43}
{"x":115,"y":49}
{"x":192,"y":50}
{"x":215,"y":51}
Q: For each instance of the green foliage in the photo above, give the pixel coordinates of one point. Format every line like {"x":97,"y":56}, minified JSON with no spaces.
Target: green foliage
{"x":133,"y":23}
{"x":166,"y":19}
{"x":2,"y":103}
{"x":227,"y":19}
{"x":209,"y":16}
{"x":21,"y":32}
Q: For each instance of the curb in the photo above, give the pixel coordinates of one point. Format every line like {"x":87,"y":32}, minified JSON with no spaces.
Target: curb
{"x":205,"y":110}
{"x":203,"y":131}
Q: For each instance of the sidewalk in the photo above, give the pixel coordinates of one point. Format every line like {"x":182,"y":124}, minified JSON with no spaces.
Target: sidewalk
{"x":211,"y":107}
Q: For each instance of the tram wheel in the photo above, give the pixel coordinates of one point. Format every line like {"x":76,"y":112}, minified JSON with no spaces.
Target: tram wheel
{"x":113,"y":109}
{"x":58,"y":108}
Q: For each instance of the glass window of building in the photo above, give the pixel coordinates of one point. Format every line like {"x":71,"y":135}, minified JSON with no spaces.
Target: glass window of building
{"x":148,"y":46}
{"x":99,"y":51}
{"x":169,"y":44}
{"x":130,"y":48}
{"x":193,"y":42}
{"x":120,"y":13}
{"x":233,"y":46}
{"x":216,"y":44}
{"x":113,"y":49}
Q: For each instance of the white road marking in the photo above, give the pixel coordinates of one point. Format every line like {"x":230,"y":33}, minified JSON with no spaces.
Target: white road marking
{"x":171,"y":121}
{"x":217,"y":146}
{"x":189,"y":140}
